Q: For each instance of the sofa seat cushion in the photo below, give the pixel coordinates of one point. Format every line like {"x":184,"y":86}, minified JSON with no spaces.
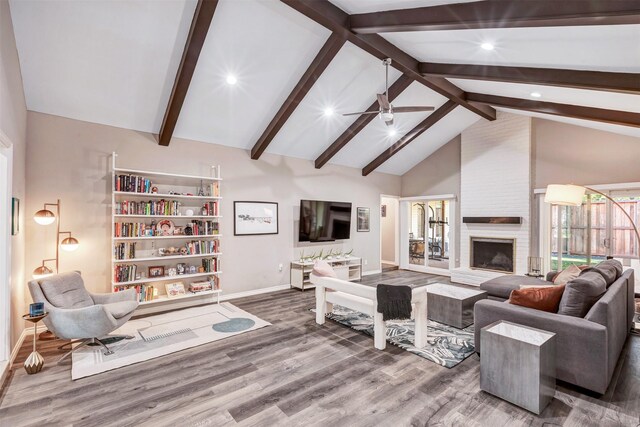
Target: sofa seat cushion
{"x":545,"y":298}
{"x":581,"y":293}
{"x":66,"y":290}
{"x":120,"y":309}
{"x":502,"y":286}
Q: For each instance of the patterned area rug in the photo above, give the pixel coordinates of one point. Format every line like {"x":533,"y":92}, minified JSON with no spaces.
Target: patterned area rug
{"x":165,"y":333}
{"x":447,"y":346}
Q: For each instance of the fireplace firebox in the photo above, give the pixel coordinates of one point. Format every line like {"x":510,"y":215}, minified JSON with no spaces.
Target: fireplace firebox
{"x":493,"y":254}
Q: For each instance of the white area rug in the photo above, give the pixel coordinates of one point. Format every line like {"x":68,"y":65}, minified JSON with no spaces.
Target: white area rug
{"x":166,"y":333}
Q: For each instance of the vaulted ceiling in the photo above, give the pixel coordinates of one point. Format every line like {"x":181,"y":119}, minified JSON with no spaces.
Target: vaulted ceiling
{"x":115,"y":63}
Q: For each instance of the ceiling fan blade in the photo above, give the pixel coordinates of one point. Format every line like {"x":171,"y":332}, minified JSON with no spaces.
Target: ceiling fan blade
{"x":389,"y":123}
{"x":411,"y":109}
{"x":360,"y":113}
{"x":383,"y":101}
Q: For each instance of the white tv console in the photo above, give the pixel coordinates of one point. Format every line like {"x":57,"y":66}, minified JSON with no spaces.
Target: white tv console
{"x":346,"y":269}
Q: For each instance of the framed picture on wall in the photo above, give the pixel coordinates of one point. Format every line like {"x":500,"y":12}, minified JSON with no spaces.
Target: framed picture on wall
{"x":364,"y":219}
{"x":383,"y":211}
{"x":255,"y":218}
{"x":15,"y":216}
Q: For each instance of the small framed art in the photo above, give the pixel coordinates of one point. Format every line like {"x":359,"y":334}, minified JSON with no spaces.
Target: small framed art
{"x":364,"y":215}
{"x":255,"y":218}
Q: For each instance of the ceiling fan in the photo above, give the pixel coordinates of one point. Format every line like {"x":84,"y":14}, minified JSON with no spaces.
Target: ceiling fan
{"x":387,"y":110}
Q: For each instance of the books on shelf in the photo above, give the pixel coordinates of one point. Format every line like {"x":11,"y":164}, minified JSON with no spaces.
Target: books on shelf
{"x":141,"y":229}
{"x":196,"y":247}
{"x":211,"y":265}
{"x":143,"y":292}
{"x":152,"y":207}
{"x":124,"y":250}
{"x":124,"y":273}
{"x":132,"y":184}
{"x":210,"y":209}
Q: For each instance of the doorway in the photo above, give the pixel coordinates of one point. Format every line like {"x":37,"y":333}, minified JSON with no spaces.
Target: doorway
{"x":427,"y":230}
{"x":389,"y":230}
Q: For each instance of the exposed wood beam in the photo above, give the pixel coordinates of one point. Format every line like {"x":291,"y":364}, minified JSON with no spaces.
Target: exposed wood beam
{"x":330,"y":49}
{"x":431,"y":120}
{"x":616,"y":117}
{"x":578,"y":79}
{"x":336,"y":20}
{"x":499,"y":14}
{"x":197,"y":34}
{"x":395,"y":89}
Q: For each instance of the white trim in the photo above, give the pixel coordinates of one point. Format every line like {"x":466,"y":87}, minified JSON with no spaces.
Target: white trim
{"x":4,"y":140}
{"x":601,"y":187}
{"x":437,"y":197}
{"x":388,"y":262}
{"x":6,"y":283}
{"x":369,"y":273}
{"x":5,"y":366}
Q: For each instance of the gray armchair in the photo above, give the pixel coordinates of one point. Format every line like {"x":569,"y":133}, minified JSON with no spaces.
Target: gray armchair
{"x":76,"y":314}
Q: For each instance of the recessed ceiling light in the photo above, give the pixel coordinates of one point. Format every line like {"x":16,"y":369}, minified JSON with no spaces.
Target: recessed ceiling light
{"x":328,"y":111}
{"x":392,"y":132}
{"x":487,"y":46}
{"x":231,"y":79}
{"x":536,"y":94}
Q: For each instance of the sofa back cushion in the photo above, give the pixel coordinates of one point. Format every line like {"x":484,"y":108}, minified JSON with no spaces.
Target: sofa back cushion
{"x":610,"y":269}
{"x":66,"y":290}
{"x":581,"y":293}
{"x":545,"y":298}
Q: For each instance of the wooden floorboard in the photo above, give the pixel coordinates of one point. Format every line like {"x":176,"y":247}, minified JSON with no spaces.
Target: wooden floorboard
{"x":296,"y":373}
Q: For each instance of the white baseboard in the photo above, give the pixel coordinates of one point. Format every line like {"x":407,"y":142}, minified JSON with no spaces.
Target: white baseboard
{"x":243,"y":294}
{"x":369,"y":273}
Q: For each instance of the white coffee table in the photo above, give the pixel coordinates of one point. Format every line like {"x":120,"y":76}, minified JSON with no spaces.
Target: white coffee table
{"x":452,"y":305}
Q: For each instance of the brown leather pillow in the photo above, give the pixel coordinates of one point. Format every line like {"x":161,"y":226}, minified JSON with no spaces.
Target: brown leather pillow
{"x":546,"y":298}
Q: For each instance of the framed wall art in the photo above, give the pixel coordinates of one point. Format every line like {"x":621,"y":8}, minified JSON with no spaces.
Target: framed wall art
{"x":255,"y":218}
{"x":364,"y":221}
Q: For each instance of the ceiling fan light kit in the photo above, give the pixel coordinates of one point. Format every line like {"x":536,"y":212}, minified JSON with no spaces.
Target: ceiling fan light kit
{"x":387,"y":110}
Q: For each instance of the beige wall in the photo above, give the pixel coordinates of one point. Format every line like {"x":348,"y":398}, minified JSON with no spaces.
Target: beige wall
{"x":69,"y":160}
{"x":437,"y":174}
{"x":13,"y":121}
{"x":389,"y":244}
{"x":566,"y":153}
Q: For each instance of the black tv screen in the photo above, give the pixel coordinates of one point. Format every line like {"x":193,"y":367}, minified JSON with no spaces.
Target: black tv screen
{"x":324,"y":221}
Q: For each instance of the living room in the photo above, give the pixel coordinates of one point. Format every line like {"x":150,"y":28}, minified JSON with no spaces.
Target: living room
{"x":274,"y":137}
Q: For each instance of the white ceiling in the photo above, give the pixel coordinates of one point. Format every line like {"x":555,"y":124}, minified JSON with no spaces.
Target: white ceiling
{"x":114,"y":62}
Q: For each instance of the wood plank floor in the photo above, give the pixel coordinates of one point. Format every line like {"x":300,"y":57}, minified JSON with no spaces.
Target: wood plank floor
{"x":297,"y":373}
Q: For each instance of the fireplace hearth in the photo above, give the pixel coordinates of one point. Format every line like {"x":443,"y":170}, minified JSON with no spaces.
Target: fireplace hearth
{"x":493,"y":254}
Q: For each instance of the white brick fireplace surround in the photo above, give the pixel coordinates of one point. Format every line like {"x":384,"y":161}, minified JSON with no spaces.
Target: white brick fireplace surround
{"x":495,"y":181}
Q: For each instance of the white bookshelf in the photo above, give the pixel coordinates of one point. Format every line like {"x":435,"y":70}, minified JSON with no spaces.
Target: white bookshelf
{"x":147,"y":247}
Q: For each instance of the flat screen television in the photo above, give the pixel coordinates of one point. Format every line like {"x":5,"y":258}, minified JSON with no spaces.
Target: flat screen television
{"x":322,"y":221}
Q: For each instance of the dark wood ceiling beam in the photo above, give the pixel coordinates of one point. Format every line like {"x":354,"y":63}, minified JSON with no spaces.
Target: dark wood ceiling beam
{"x":578,"y":79}
{"x":330,"y":49}
{"x":498,"y":14}
{"x":616,"y":117}
{"x":431,"y":120}
{"x":200,"y":24}
{"x":335,"y":19}
{"x":395,"y":89}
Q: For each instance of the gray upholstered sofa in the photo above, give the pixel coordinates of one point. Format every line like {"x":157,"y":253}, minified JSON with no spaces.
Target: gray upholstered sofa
{"x":587,"y":347}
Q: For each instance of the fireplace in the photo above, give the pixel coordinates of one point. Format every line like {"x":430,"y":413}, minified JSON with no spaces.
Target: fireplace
{"x":493,"y":254}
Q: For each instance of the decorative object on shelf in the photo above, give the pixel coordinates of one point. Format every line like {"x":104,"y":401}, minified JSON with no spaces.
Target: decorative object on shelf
{"x":15,"y":216}
{"x":363,"y":219}
{"x":255,"y":218}
{"x":383,"y":211}
{"x":181,"y":268}
{"x":188,"y":212}
{"x":188,"y":231}
{"x":35,"y":361}
{"x":156,"y":271}
{"x":175,"y":290}
{"x":192,"y":269}
{"x":154,"y":190}
{"x":172,"y":271}
{"x":165,"y":227}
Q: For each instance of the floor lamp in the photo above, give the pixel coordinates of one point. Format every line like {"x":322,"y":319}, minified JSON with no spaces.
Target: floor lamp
{"x":572,"y":195}
{"x":46,"y":217}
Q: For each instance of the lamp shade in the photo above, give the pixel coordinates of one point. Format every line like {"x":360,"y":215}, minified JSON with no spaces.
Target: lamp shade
{"x":41,"y":272}
{"x":564,"y":194}
{"x":44,"y":217}
{"x":69,"y":244}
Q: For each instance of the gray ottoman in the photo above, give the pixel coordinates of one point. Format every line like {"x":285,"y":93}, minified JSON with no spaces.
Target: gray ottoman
{"x":500,"y":288}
